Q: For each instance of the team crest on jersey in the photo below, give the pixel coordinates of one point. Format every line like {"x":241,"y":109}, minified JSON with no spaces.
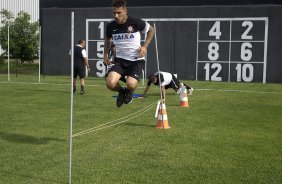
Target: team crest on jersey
{"x":130,"y":29}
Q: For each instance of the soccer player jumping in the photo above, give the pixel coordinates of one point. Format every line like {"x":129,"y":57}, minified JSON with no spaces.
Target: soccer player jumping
{"x":125,"y":32}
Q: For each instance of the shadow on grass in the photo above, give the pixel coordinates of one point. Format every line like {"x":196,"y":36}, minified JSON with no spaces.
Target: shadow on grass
{"x":139,"y":125}
{"x":39,"y":179}
{"x":26,"y":139}
{"x":45,"y":90}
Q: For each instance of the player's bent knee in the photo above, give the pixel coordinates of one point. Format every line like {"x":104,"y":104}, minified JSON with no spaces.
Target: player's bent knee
{"x":132,"y":84}
{"x":110,"y":84}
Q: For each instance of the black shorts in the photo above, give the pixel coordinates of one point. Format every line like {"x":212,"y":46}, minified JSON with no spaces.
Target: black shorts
{"x":128,"y":68}
{"x":122,"y":78}
{"x":79,"y":70}
{"x":175,"y":84}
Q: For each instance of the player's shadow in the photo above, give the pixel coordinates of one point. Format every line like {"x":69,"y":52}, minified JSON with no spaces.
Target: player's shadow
{"x":26,"y":139}
{"x":26,"y":176}
{"x":45,"y":90}
{"x":139,"y":125}
{"x":154,"y":94}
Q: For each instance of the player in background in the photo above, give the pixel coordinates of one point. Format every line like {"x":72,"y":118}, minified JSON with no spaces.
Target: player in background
{"x":80,"y":61}
{"x":168,"y":80}
{"x":125,"y":33}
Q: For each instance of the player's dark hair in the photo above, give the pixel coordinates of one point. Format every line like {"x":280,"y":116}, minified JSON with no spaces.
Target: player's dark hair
{"x":80,"y":41}
{"x":152,"y":78}
{"x":119,"y":3}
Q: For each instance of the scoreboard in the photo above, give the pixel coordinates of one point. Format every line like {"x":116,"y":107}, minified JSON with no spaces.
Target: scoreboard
{"x":227,"y":49}
{"x":232,"y":49}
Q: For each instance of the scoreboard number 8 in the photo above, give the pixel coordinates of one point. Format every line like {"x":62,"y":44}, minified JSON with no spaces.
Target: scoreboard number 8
{"x":213,"y":51}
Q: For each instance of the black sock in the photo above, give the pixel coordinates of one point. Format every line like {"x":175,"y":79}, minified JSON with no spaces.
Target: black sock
{"x":128,"y":90}
{"x":82,"y":88}
{"x":121,"y":89}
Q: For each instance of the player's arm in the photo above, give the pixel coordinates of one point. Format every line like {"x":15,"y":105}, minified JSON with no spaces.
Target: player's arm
{"x":163,"y":92}
{"x":107,"y":43}
{"x":146,"y":90}
{"x":86,"y":63}
{"x":85,"y":59}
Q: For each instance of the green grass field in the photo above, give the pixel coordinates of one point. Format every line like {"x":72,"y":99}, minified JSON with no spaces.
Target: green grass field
{"x":231,"y":133}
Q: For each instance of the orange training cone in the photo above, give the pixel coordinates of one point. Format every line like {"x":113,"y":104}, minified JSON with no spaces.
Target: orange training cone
{"x":183,"y":96}
{"x":162,"y":117}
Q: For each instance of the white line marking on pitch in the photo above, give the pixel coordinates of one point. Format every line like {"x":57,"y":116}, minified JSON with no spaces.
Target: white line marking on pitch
{"x":196,"y":89}
{"x":240,"y":91}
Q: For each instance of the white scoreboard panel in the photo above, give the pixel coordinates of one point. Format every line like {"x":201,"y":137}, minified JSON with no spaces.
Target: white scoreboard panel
{"x":228,"y":49}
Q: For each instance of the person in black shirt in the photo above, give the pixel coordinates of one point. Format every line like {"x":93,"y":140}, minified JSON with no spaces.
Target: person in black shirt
{"x":80,"y":61}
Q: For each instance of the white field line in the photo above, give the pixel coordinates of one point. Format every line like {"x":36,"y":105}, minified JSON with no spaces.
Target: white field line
{"x":240,"y":91}
{"x":196,"y":89}
{"x":42,"y":83}
{"x":127,"y":118}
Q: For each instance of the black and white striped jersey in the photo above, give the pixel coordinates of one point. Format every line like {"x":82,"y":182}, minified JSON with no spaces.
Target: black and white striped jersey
{"x":165,"y":77}
{"x":127,"y":37}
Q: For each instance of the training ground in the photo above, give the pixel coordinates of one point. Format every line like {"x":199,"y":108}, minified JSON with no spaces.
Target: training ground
{"x":231,"y":133}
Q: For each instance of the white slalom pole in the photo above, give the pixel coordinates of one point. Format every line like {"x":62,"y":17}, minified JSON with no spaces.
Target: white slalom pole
{"x":9,"y":53}
{"x":159,"y":75}
{"x":145,"y":72}
{"x":143,"y":77}
{"x":39,"y":58}
{"x":71,"y":109}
